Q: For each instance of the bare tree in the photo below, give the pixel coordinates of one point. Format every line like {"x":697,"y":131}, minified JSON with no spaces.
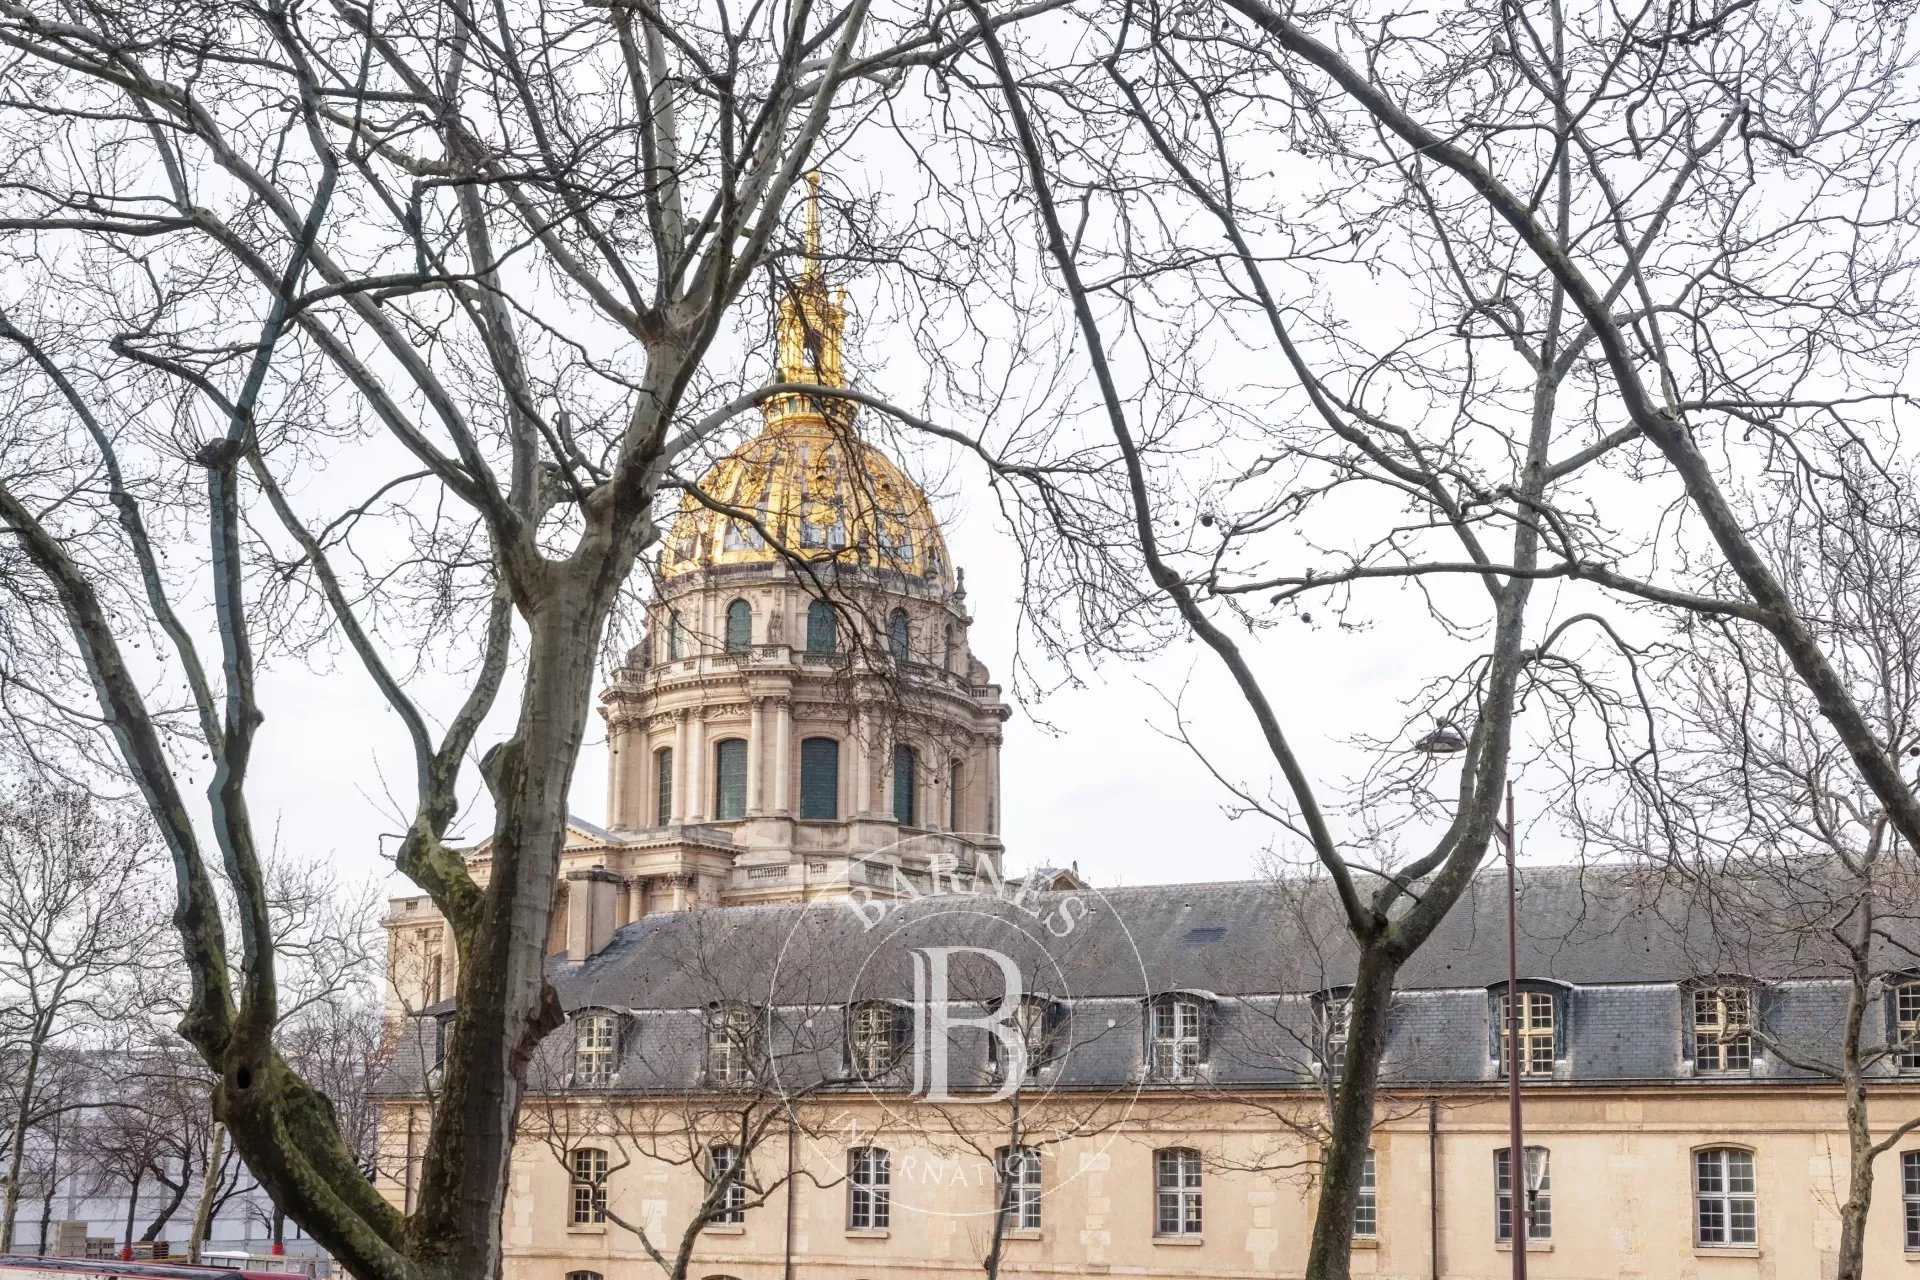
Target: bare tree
{"x":1600,"y":374}
{"x":79,"y":920}
{"x":488,"y":261}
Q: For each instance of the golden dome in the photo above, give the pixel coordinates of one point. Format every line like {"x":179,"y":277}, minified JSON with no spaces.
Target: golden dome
{"x":822,"y":494}
{"x":816,"y":489}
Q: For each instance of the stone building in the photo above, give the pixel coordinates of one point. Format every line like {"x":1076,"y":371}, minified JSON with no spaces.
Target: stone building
{"x":803,"y":816}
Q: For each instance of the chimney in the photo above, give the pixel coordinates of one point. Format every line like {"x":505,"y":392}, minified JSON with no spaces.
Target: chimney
{"x":593,"y":897}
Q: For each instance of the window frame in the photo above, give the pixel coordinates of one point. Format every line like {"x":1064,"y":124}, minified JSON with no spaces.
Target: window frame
{"x":1170,"y":1038}
{"x":1540,"y":1212}
{"x":1910,"y":1200}
{"x":1904,"y":1011}
{"x":1037,"y":1018}
{"x":723,"y":1158}
{"x":732,"y":1044}
{"x":869,"y":1188}
{"x":663,"y":786}
{"x":1722,"y":1043}
{"x":899,"y":635}
{"x":739,"y":629}
{"x":589,"y":1199}
{"x":1018,"y":1192}
{"x":1533,"y":1034}
{"x":875,"y":1038}
{"x":1725,"y":1197}
{"x":1177,"y":1173}
{"x":807,"y":810}
{"x":1366,"y":1203}
{"x":1332,"y":1029}
{"x":596,"y":1048}
{"x":737,"y":748}
{"x":823,"y":630}
{"x":906,"y":784}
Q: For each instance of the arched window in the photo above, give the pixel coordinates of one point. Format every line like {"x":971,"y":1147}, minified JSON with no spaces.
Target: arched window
{"x":823,"y":630}
{"x":906,"y":784}
{"x":1176,"y":1192}
{"x":589,"y":1186}
{"x":739,"y":627}
{"x":583,"y":1275}
{"x":869,"y":1189}
{"x":676,"y":637}
{"x":1725,"y":1199}
{"x":898,"y":635}
{"x":730,"y":779}
{"x":954,"y":806}
{"x":663,"y":786}
{"x":819,"y":778}
{"x":1537,"y":1195}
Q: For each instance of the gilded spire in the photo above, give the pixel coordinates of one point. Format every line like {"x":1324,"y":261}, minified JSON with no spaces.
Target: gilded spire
{"x":812,"y":321}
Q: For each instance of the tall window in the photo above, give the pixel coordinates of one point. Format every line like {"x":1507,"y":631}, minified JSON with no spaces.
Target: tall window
{"x":906,"y":784}
{"x":676,"y":637}
{"x":1910,"y":1197}
{"x":1333,"y":1019}
{"x":1175,"y":1051}
{"x":954,"y":797}
{"x":1366,"y":1206}
{"x":819,"y":778}
{"x":1726,"y":1213}
{"x":823,"y":630}
{"x":1906,"y":1026}
{"x":723,"y":1171}
{"x":869,"y":1189}
{"x":730,"y":779}
{"x":1536,"y":1033}
{"x":583,"y":1275}
{"x":1176,"y":1192}
{"x":1539,"y":1211}
{"x":663,"y":786}
{"x":898,"y":635}
{"x":596,"y":1041}
{"x":1019,"y":1186}
{"x":1034,"y":1023}
{"x":875,"y":1036}
{"x":739,"y":627}
{"x":1722,"y":1029}
{"x":589,"y":1186}
{"x":949,"y":650}
{"x":732,"y":1036}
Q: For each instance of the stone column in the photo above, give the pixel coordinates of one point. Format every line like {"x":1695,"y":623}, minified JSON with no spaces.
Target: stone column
{"x":993,"y":785}
{"x":676,"y":804}
{"x":862,"y":770}
{"x":782,"y":754}
{"x":636,"y":898}
{"x":756,"y":742}
{"x":696,"y":768}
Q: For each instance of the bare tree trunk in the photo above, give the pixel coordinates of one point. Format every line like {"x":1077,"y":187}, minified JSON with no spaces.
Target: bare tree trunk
{"x":17,"y":1149}
{"x":133,"y":1207}
{"x":203,"y":1215}
{"x":1346,"y":1155}
{"x":53,"y":1185}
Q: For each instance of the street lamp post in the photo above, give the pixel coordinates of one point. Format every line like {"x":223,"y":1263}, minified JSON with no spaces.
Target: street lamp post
{"x":1523,"y":1181}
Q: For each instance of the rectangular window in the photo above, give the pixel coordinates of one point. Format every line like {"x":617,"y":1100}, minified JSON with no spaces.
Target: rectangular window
{"x":589,"y":1186}
{"x":731,"y":1031}
{"x":1906,"y":1017}
{"x":1722,"y":1021}
{"x":1336,"y":1018}
{"x":1726,"y":1213}
{"x":663,"y":786}
{"x":1910,"y":1197}
{"x":723,"y":1160}
{"x":869,"y":1189}
{"x":1176,"y":1186}
{"x":819,"y":779}
{"x":595,"y":1039}
{"x":1540,"y":1203}
{"x":871,"y":1047}
{"x":1176,"y":1040}
{"x":730,"y":779}
{"x":1366,"y":1207}
{"x":1536,"y":1033}
{"x":1020,"y":1187}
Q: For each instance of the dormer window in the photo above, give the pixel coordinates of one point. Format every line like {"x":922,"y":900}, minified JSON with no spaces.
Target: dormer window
{"x":1540,"y":1012}
{"x":1722,"y":1021}
{"x":1177,"y":1036}
{"x":733,"y":1033}
{"x":1033,"y":1026}
{"x":1332,"y":1024}
{"x":1904,"y":996}
{"x":876,"y":1038}
{"x":596,"y":1044}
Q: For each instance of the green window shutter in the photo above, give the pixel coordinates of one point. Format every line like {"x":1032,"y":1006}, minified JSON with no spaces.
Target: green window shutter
{"x":663,"y":785}
{"x":906,"y":765}
{"x":819,"y":778}
{"x":822,"y":629}
{"x":730,"y":779}
{"x":898,"y":636}
{"x":739,"y":627}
